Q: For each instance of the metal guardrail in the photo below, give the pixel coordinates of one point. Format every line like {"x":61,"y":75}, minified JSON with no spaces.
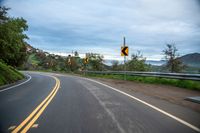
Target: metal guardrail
{"x":182,"y":76}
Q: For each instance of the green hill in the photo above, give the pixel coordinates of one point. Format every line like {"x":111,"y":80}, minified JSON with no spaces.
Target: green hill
{"x":38,"y":59}
{"x":192,"y":59}
{"x":8,"y":74}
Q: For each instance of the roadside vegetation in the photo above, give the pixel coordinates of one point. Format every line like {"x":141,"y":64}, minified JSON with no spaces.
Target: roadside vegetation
{"x":188,"y":84}
{"x":137,"y":63}
{"x":12,"y":39}
{"x":46,"y":62}
{"x":38,"y":60}
{"x":12,"y":46}
{"x":8,"y":74}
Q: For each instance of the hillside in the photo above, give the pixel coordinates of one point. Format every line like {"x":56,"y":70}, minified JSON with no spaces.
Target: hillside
{"x":8,"y":74}
{"x":192,"y":60}
{"x":41,"y":60}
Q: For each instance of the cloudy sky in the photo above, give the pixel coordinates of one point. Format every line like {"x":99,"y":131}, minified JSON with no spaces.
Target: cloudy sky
{"x":98,"y":26}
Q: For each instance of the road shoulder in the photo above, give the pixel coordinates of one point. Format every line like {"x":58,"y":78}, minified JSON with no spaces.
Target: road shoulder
{"x":14,"y":84}
{"x":170,"y":94}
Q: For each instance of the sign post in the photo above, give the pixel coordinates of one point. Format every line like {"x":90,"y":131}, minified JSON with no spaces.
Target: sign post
{"x":85,"y":61}
{"x":124,"y":52}
{"x":69,"y":62}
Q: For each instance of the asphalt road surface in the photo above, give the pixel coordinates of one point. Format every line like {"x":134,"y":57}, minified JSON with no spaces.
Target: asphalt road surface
{"x":53,"y":103}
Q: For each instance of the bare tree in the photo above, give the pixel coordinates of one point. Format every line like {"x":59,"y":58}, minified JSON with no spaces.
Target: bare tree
{"x":173,"y":62}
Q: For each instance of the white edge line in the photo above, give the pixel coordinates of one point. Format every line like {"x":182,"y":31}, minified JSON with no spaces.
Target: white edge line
{"x":17,"y":84}
{"x":152,"y":106}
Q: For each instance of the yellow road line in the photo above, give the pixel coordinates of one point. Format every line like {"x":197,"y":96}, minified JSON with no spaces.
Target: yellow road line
{"x":39,"y":106}
{"x":38,"y":114}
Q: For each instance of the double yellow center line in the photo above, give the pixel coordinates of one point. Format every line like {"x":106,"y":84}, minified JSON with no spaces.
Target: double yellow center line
{"x":30,"y":120}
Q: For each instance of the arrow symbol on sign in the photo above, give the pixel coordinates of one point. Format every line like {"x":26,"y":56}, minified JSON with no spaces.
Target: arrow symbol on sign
{"x":125,"y":51}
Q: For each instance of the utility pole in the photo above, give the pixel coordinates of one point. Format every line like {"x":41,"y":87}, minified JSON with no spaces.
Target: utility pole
{"x":124,"y":60}
{"x":69,"y":62}
{"x":124,"y":52}
{"x":72,"y":53}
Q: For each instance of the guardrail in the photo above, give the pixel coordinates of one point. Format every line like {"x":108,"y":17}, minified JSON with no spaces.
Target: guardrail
{"x":182,"y":76}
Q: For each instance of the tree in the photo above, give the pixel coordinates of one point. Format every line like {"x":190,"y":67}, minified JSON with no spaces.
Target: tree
{"x":3,"y":14}
{"x":95,"y":61}
{"x":76,"y":54}
{"x":72,"y":63}
{"x":173,"y":63}
{"x":12,"y":44}
{"x":137,"y":63}
{"x":115,"y":65}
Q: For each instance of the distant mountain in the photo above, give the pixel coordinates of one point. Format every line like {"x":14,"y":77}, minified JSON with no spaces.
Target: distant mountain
{"x":108,"y":62}
{"x":156,"y":62}
{"x":192,"y":59}
{"x":152,"y":62}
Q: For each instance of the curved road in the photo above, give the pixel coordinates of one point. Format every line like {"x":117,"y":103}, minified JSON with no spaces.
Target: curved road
{"x":56,"y":103}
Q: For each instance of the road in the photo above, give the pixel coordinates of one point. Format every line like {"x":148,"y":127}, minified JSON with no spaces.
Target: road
{"x":55,"y":103}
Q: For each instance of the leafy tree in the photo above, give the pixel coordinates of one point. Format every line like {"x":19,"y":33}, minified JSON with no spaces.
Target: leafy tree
{"x":72,"y":63}
{"x":171,"y":55}
{"x":95,"y":61}
{"x":12,"y":44}
{"x":137,"y":63}
{"x":3,"y":14}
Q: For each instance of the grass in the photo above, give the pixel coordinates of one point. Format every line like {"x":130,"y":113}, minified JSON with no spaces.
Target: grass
{"x":188,"y":84}
{"x":8,"y":74}
{"x":33,"y":59}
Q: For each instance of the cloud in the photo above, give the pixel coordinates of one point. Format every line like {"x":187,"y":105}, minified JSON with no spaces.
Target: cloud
{"x":98,"y":26}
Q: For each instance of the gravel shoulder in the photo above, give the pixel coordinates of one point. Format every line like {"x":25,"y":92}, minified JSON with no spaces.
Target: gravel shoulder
{"x":167,"y":93}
